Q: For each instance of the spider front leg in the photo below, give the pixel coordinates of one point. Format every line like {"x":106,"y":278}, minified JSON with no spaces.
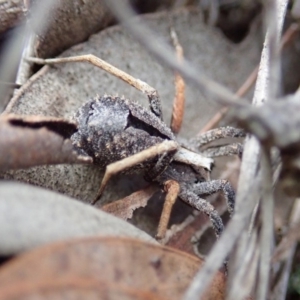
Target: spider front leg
{"x":231,"y":149}
{"x":191,"y":193}
{"x":210,"y":187}
{"x":154,"y":100}
{"x":202,"y":205}
{"x":190,"y":197}
{"x":152,"y":94}
{"x":217,"y":134}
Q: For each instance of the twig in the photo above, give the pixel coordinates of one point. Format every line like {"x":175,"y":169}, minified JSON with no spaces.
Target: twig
{"x":246,"y":86}
{"x":179,"y":99}
{"x":266,"y":238}
{"x":248,"y":253}
{"x":24,"y":70}
{"x":162,"y":52}
{"x":273,"y":25}
{"x":12,"y":52}
{"x":293,"y":235}
{"x":286,"y":250}
{"x":11,"y":84}
{"x":288,"y":36}
{"x":247,"y":186}
{"x":271,"y":64}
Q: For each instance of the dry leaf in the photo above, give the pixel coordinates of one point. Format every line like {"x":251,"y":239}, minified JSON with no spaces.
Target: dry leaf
{"x":63,"y":127}
{"x":112,"y":262}
{"x":125,"y":207}
{"x":72,"y":288}
{"x":32,"y":216}
{"x":36,"y":140}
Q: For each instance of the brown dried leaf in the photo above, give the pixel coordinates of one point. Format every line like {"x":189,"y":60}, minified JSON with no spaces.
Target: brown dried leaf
{"x":111,"y":262}
{"x":36,"y":140}
{"x":125,"y":207}
{"x":72,"y":288}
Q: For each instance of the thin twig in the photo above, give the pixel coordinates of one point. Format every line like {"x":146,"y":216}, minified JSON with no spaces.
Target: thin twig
{"x":287,"y":37}
{"x":281,"y":284}
{"x":12,"y":52}
{"x":179,"y":99}
{"x":271,"y":64}
{"x":267,"y":231}
{"x":24,"y":70}
{"x":241,"y":92}
{"x":172,"y":189}
{"x":248,"y":254}
{"x":273,"y":26}
{"x":160,"y":50}
{"x":98,"y":62}
{"x":11,"y":84}
{"x":246,"y":194}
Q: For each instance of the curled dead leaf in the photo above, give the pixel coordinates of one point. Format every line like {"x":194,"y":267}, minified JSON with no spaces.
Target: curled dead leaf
{"x":60,"y":126}
{"x":36,"y":140}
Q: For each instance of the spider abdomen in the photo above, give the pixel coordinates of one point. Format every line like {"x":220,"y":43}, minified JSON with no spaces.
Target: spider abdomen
{"x":113,"y":128}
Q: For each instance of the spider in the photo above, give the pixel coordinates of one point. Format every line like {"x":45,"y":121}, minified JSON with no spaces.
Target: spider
{"x":123,"y":136}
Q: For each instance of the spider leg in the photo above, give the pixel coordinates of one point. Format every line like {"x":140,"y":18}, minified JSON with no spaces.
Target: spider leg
{"x":153,"y":97}
{"x":179,"y":99}
{"x":172,"y":188}
{"x":216,"y":134}
{"x":213,"y":186}
{"x":193,"y":200}
{"x":231,"y":149}
{"x":128,"y":162}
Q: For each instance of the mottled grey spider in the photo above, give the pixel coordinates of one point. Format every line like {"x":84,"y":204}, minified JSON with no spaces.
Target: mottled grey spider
{"x":123,"y":136}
